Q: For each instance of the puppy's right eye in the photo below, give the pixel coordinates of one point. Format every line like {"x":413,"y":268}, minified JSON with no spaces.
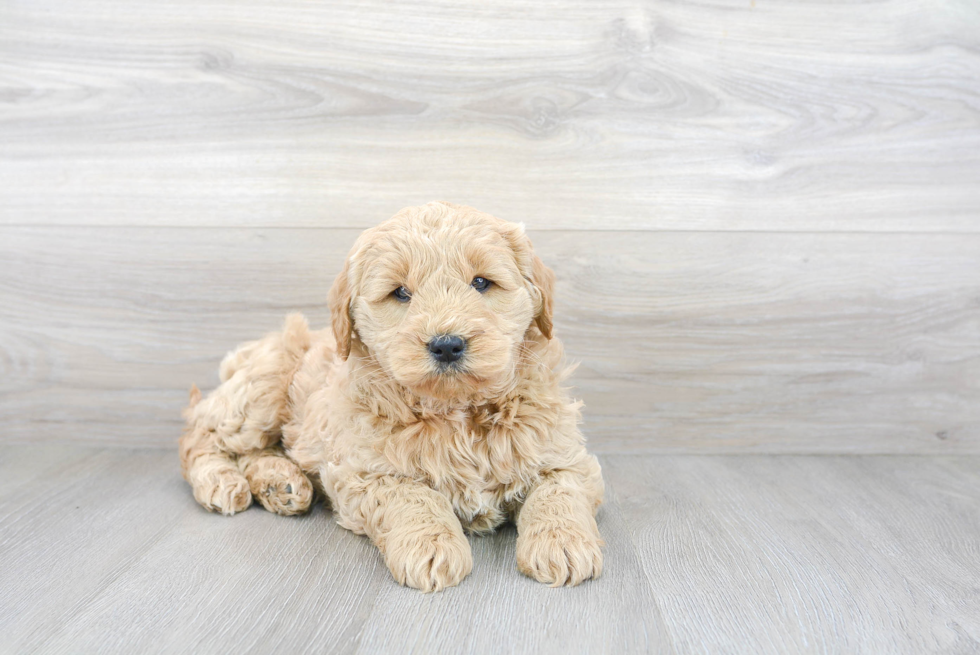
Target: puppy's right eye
{"x":402,"y":294}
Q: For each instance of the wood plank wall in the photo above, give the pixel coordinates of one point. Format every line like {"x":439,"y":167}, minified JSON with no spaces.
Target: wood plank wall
{"x":764,"y":216}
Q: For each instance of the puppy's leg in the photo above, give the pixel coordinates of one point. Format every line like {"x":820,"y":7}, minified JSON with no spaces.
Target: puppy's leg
{"x":276,"y":481}
{"x":414,"y":528}
{"x":243,"y":415}
{"x":218,"y":484}
{"x":558,"y":540}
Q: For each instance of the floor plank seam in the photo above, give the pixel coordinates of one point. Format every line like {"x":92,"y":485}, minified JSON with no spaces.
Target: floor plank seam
{"x":628,"y":529}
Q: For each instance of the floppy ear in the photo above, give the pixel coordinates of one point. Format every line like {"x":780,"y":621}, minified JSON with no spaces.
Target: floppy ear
{"x":339,"y":302}
{"x":540,"y":277}
{"x":543,"y":279}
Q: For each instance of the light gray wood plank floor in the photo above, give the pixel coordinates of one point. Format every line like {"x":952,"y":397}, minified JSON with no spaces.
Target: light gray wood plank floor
{"x":106,"y":549}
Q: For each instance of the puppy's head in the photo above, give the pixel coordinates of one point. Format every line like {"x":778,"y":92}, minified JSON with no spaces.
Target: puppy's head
{"x":442,"y":297}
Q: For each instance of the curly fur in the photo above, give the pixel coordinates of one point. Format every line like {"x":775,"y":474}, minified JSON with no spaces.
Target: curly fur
{"x":408,"y":453}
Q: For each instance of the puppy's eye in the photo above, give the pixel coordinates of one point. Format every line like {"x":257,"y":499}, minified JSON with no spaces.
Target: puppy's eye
{"x":402,"y":294}
{"x":481,"y":284}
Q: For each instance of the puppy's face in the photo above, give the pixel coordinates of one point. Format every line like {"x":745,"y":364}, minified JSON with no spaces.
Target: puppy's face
{"x":442,"y":296}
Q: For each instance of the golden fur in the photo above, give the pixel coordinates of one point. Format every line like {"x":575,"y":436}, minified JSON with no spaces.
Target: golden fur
{"x":409,"y":453}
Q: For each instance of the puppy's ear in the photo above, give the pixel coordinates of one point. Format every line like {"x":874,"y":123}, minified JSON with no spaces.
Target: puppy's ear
{"x":338,"y":301}
{"x":540,"y":277}
{"x":543,"y":279}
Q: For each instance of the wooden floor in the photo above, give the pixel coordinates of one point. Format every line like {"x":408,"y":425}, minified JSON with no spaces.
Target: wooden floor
{"x":105,"y":550}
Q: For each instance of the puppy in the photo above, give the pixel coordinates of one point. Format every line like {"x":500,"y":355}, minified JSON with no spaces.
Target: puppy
{"x":433,"y":405}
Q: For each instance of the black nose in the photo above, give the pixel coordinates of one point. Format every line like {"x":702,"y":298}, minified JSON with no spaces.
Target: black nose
{"x":447,"y":348}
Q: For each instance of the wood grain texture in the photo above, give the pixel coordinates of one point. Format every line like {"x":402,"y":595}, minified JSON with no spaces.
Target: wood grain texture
{"x":183,"y":580}
{"x":735,"y":554}
{"x":721,"y":115}
{"x":834,"y":343}
{"x":520,"y":615}
{"x":765,"y":220}
{"x":808,"y":554}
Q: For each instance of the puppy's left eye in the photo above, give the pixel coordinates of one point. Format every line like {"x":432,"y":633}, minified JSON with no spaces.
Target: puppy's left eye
{"x":481,"y":284}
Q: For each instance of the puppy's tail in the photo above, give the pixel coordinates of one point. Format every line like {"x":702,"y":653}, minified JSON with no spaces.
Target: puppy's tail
{"x":250,"y":405}
{"x":195,"y":397}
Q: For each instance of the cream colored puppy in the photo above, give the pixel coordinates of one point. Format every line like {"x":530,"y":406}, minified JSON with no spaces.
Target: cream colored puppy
{"x":433,"y":406}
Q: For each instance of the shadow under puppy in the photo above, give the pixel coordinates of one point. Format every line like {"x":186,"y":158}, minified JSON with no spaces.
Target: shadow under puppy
{"x":433,"y":405}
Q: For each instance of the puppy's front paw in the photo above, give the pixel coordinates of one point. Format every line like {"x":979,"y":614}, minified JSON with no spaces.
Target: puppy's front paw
{"x":559,"y":556}
{"x":429,"y":562}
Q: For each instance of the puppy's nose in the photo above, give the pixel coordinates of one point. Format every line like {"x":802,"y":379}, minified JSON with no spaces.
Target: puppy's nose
{"x":447,"y":348}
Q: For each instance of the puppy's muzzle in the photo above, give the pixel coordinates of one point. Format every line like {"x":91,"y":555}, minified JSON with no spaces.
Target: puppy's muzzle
{"x":447,"y":348}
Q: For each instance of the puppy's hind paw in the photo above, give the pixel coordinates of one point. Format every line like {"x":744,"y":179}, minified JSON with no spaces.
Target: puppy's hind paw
{"x":278,"y":483}
{"x":286,"y":496}
{"x":225,"y":492}
{"x":560,"y":556}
